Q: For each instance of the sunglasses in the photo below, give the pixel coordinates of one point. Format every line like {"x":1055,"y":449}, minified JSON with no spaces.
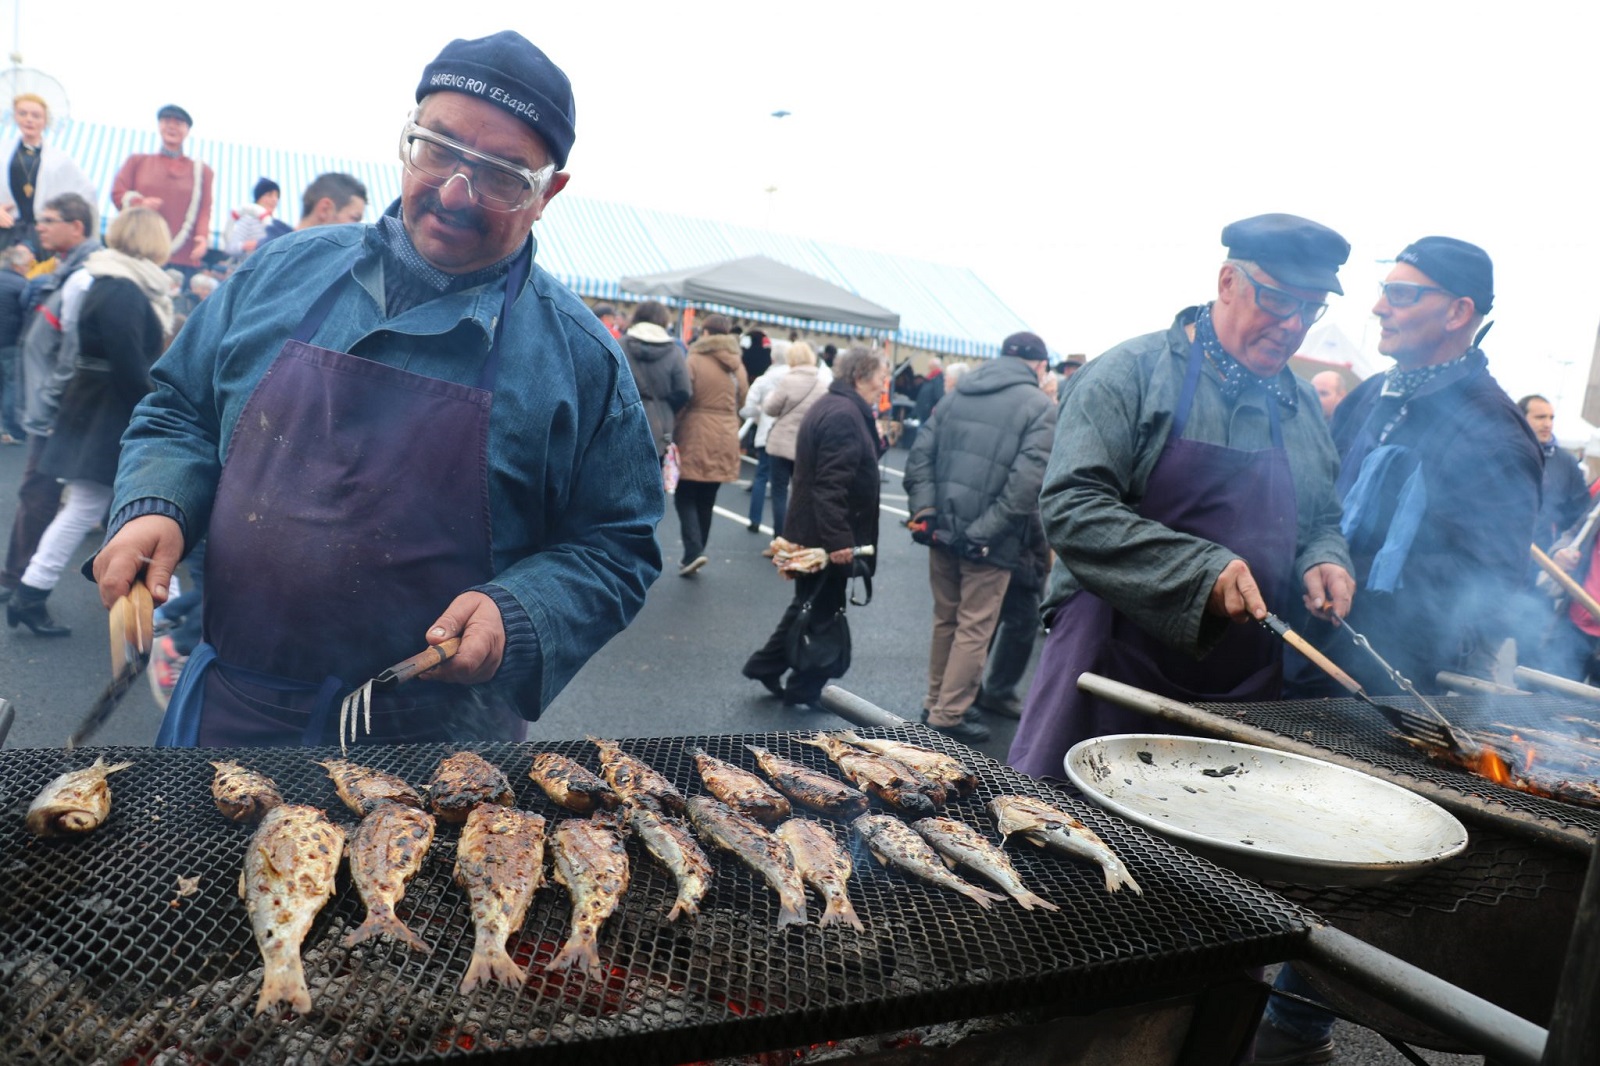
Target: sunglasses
{"x":1407,"y":293}
{"x":1285,"y":305}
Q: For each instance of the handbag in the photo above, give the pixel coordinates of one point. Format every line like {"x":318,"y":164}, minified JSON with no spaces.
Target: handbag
{"x":815,"y":645}
{"x":669,"y":469}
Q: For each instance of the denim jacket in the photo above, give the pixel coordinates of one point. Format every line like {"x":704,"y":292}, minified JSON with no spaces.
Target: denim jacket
{"x":574,"y":487}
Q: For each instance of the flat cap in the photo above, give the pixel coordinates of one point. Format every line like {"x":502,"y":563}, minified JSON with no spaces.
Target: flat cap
{"x":1025,"y":346}
{"x":174,"y":111}
{"x":1295,"y":250}
{"x":1462,"y":268}
{"x":508,"y":71}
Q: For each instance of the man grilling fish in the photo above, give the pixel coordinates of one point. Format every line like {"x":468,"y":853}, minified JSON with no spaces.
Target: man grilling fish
{"x":399,"y":434}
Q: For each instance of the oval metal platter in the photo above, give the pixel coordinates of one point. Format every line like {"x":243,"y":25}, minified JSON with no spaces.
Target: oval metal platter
{"x":1267,"y":814}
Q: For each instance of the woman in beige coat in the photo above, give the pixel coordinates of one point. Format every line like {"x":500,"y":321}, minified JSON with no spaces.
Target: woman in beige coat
{"x":788,"y":403}
{"x":707,"y":435}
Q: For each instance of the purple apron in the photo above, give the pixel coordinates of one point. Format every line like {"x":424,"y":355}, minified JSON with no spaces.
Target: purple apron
{"x":352,"y":509}
{"x":1242,"y":500}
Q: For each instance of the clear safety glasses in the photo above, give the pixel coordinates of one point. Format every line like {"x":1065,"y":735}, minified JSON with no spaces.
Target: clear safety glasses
{"x":496,"y":185}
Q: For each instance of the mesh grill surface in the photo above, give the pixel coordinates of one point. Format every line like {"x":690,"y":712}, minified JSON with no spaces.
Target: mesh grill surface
{"x":101,"y":959}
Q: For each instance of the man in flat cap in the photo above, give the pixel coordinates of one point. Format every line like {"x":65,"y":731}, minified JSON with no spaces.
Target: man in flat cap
{"x":1439,"y":481}
{"x":1190,"y":491}
{"x":397,"y":435}
{"x":171,"y":183}
{"x":972,"y":484}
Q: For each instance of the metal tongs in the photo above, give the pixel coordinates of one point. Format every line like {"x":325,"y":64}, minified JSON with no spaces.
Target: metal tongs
{"x":1434,"y":726}
{"x":357,"y":707}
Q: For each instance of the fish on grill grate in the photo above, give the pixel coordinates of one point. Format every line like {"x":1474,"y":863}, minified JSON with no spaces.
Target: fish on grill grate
{"x":386,"y":852}
{"x":362,"y":788}
{"x":463,"y":781}
{"x":741,"y":789}
{"x":1046,"y":827}
{"x":242,"y":794}
{"x":823,"y":865}
{"x":758,"y":849}
{"x":288,"y":877}
{"x":569,"y":784}
{"x":893,"y":843}
{"x":675,"y":848}
{"x":934,"y":765}
{"x":78,"y":801}
{"x":500,"y":864}
{"x":589,"y":859}
{"x":890,"y":780}
{"x":821,"y":793}
{"x":634,"y":779}
{"x":960,"y":844}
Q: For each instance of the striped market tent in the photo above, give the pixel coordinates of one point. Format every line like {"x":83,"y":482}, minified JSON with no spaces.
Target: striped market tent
{"x":590,"y":244}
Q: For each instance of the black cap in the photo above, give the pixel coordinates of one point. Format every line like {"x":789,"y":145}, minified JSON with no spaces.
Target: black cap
{"x":264,"y":186}
{"x":174,"y":111}
{"x":1025,"y":346}
{"x":1462,"y":268}
{"x":1294,"y":250}
{"x":506,"y":70}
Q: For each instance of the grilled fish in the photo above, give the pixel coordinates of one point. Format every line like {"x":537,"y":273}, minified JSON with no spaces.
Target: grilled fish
{"x":757,"y":849}
{"x":288,"y":876}
{"x":674,"y":847}
{"x":741,"y":789}
{"x":243,"y":795}
{"x":385,"y":853}
{"x":823,"y":865}
{"x":935,"y":765}
{"x":1045,"y":826}
{"x":960,"y":844}
{"x":362,"y":787}
{"x":633,"y":778}
{"x":590,"y":860}
{"x":823,"y":794}
{"x":569,"y":784}
{"x":890,"y":780}
{"x":893,"y":843}
{"x":76,"y":802}
{"x":463,"y":781}
{"x":499,"y":863}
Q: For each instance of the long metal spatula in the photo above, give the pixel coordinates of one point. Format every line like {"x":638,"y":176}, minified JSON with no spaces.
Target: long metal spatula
{"x":356,"y":708}
{"x":132,"y":635}
{"x":1432,"y":726}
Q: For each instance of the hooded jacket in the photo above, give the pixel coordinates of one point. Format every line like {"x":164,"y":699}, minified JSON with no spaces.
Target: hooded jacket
{"x":788,"y":404}
{"x":708,"y":427}
{"x":661,"y":375}
{"x":47,"y":355}
{"x":979,"y":461}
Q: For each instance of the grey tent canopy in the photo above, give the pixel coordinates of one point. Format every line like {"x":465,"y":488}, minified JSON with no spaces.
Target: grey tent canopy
{"x":756,"y":283}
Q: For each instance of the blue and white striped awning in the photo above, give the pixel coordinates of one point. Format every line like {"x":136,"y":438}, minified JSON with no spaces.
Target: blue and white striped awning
{"x":590,"y":244}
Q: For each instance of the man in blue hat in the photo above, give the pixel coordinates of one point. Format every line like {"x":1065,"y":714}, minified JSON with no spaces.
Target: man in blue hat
{"x":395,"y":435}
{"x":174,"y":185}
{"x":1189,"y":492}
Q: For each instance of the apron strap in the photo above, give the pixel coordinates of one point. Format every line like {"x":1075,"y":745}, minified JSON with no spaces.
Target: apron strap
{"x":1191,"y":384}
{"x":180,"y":726}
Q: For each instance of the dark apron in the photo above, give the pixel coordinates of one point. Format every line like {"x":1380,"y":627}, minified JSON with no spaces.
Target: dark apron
{"x":1242,"y":500}
{"x":352,"y":509}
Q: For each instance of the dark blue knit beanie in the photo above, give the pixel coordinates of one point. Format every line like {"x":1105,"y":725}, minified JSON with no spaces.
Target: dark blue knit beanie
{"x":508,"y":71}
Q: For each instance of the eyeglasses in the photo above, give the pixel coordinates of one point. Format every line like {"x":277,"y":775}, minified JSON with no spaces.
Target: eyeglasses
{"x":1284,"y":305}
{"x":497,"y":185}
{"x":43,"y":221}
{"x":1407,"y":293}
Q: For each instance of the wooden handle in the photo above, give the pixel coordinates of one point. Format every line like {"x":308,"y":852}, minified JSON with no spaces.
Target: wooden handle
{"x":421,"y":662}
{"x":1564,"y":579}
{"x":1325,"y":664}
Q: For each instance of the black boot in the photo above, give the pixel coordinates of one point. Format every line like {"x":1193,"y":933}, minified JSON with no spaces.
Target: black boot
{"x":26,"y":608}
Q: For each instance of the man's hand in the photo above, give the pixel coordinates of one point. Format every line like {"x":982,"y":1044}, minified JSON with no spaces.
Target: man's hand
{"x":152,"y":543}
{"x":1329,"y":590}
{"x":7,"y":220}
{"x":474,"y":618}
{"x":1235,"y":595}
{"x":1567,"y":559}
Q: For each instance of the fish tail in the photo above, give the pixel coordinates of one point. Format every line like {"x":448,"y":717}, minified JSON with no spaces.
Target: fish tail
{"x":283,"y":980}
{"x":840,"y":911}
{"x":685,"y":906}
{"x":791,"y":912}
{"x":1118,"y":877}
{"x":580,"y":952}
{"x":381,"y":923}
{"x":1031,"y":900}
{"x":981,"y":896}
{"x":490,"y":964}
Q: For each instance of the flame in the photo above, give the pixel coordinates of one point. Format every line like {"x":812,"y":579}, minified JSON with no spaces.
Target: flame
{"x":1493,"y":767}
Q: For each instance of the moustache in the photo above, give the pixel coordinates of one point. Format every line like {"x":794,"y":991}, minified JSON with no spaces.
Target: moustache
{"x":468,"y":219}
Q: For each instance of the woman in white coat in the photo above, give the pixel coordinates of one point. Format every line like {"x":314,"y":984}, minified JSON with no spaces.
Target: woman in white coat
{"x":35,"y":173}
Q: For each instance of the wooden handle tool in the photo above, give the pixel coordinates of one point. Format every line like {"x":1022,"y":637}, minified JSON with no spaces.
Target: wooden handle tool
{"x":420,"y":663}
{"x":1564,"y":579}
{"x":1304,"y":647}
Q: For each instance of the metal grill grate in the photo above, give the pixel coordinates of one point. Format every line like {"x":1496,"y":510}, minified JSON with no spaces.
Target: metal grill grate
{"x":1351,"y":728}
{"x":101,"y":959}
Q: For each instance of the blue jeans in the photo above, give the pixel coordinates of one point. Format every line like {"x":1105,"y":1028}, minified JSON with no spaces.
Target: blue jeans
{"x":10,"y":394}
{"x":758,"y":487}
{"x":1313,"y":1025}
{"x":782,"y":472}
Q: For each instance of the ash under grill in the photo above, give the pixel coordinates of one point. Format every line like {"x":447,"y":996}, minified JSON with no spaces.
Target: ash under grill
{"x":102,"y":959}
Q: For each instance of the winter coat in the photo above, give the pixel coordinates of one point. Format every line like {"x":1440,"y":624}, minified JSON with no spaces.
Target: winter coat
{"x":788,"y":405}
{"x":47,"y":355}
{"x":833,"y":500}
{"x":119,"y":339}
{"x":760,"y":389}
{"x":662,"y":376}
{"x":979,"y":461}
{"x":707,"y":433}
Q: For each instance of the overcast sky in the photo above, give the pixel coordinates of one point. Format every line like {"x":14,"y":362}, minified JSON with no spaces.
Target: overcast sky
{"x":1081,"y":157}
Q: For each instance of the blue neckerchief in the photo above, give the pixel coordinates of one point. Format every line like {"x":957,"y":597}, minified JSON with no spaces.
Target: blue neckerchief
{"x":1363,"y":506}
{"x":1236,"y":377}
{"x":1403,"y":383}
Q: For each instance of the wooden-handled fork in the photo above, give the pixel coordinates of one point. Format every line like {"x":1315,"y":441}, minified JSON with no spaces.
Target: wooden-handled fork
{"x":357,"y":707}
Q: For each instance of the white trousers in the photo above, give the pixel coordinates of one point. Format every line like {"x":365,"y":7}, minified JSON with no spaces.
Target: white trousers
{"x":83,"y":505}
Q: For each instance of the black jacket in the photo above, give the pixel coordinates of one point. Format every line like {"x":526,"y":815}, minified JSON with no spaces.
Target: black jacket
{"x":662,"y":376}
{"x":979,"y":461}
{"x":833,"y":501}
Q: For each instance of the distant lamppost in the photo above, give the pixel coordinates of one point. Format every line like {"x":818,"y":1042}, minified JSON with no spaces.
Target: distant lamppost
{"x":771,"y":190}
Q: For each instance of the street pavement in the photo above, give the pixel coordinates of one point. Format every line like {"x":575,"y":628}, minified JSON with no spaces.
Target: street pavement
{"x":674,"y":671}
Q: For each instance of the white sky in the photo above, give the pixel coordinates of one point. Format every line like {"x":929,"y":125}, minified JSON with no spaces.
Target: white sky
{"x":1081,"y":157}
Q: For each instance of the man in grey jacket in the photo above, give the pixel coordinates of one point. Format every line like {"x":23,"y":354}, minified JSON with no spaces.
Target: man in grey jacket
{"x":973,"y":480}
{"x":46,"y":356}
